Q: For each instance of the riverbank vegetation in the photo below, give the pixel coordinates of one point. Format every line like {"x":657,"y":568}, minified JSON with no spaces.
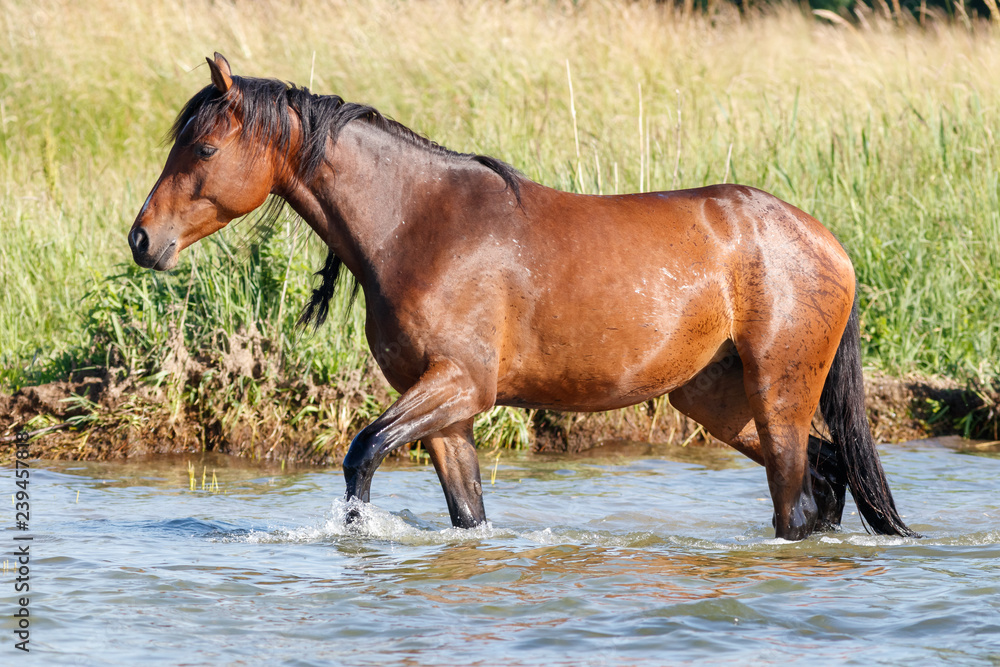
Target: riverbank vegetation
{"x":881,"y":125}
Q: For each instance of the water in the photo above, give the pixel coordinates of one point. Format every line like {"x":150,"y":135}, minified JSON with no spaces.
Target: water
{"x":642,"y":557}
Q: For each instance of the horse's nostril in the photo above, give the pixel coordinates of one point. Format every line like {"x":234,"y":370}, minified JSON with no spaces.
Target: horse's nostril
{"x":138,"y":240}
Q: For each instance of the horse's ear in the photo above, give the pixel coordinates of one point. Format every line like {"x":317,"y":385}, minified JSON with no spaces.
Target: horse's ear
{"x":222,"y":76}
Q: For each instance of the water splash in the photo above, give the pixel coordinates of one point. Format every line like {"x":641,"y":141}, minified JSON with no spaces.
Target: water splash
{"x":369,"y":522}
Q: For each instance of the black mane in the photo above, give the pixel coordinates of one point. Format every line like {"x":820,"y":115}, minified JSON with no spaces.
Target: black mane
{"x":263,"y":106}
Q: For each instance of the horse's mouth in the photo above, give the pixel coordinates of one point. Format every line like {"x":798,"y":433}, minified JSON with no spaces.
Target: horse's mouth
{"x":164,"y":261}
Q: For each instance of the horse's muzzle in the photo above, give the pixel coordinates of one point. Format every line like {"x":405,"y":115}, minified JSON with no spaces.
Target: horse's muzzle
{"x":162,"y":260}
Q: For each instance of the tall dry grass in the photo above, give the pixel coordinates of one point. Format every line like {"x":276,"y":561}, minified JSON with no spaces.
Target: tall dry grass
{"x":885,"y":132}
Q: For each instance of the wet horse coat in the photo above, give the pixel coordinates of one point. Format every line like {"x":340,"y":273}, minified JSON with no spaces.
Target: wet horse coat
{"x":483,"y":288}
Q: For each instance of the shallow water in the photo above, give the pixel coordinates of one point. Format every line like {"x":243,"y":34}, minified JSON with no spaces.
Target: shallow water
{"x":642,"y":556}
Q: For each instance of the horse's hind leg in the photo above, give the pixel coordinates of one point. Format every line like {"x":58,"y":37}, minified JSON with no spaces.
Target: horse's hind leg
{"x":453,"y":453}
{"x":750,"y":412}
{"x":785,"y":445}
{"x":717,"y":399}
{"x":783,"y":372}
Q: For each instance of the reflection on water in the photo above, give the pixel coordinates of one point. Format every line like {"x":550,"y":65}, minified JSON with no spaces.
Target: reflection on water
{"x":620,"y":451}
{"x":630,"y":555}
{"x":663,"y":577}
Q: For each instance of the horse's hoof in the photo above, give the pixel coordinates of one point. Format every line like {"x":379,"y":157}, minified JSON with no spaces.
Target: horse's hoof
{"x":353,"y":514}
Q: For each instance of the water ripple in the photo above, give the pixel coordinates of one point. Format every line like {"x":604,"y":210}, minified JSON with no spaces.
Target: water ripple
{"x":633,"y":562}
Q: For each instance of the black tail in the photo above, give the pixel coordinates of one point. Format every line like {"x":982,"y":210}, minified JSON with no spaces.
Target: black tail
{"x":843,"y":407}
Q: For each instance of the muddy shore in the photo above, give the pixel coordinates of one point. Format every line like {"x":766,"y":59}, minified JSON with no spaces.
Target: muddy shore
{"x":97,"y":417}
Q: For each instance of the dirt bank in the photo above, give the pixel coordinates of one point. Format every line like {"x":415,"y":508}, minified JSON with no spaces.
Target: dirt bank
{"x":99,"y":418}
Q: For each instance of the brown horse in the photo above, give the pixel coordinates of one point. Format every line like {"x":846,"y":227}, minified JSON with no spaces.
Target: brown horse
{"x":483,"y":288}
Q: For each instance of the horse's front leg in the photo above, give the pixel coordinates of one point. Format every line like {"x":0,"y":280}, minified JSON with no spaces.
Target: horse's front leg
{"x":445,"y":395}
{"x":453,"y":453}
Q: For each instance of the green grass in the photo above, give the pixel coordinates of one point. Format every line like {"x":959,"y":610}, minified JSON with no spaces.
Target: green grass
{"x":884,"y":133}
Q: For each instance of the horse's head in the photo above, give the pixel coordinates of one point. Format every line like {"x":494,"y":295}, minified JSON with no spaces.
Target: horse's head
{"x":214,"y":173}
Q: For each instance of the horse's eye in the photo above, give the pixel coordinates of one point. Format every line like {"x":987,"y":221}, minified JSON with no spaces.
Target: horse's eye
{"x":204,"y":151}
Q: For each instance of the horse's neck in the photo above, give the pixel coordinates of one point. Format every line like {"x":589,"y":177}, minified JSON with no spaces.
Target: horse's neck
{"x":371,"y":184}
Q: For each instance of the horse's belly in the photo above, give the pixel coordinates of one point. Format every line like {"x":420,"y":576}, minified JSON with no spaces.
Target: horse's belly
{"x":602,"y":368}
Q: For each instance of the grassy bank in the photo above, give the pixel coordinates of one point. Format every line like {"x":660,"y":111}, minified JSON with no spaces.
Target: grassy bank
{"x":885,"y":132}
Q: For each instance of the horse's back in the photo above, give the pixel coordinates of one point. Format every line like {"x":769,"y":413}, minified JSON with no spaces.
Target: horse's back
{"x":739,"y":240}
